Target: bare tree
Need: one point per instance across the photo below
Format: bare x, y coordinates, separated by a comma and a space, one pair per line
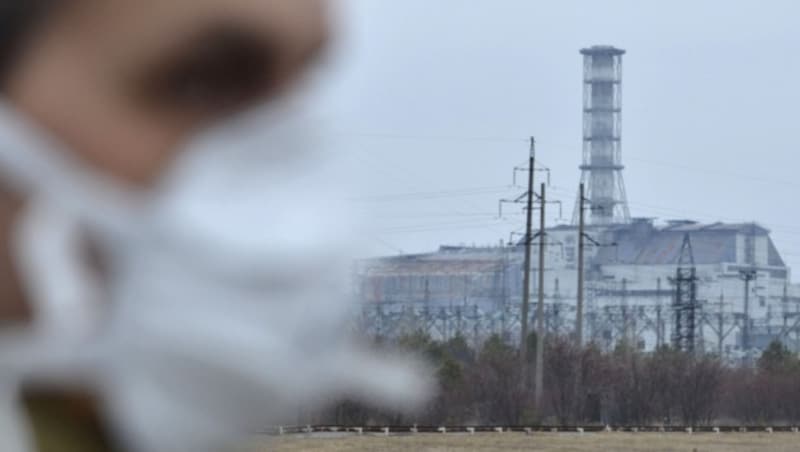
499, 396
700, 389
562, 363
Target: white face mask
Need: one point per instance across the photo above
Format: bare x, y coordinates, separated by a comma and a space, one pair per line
222, 304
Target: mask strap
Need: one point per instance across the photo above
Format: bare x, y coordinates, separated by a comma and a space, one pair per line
52, 261
35, 164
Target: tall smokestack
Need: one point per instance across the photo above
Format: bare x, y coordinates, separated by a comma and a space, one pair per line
602, 135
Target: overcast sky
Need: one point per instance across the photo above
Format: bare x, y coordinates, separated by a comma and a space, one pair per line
433, 101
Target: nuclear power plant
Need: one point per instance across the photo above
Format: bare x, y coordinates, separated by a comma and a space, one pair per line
720, 287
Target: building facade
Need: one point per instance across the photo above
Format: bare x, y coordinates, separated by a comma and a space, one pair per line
628, 295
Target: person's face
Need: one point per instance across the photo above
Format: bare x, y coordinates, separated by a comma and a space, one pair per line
123, 83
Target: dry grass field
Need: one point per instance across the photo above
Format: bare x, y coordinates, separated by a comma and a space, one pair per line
556, 442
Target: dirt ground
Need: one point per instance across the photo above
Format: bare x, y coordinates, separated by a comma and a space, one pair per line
556, 442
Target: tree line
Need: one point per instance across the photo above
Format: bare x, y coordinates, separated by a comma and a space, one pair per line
587, 385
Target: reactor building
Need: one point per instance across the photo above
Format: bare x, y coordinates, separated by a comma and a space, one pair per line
744, 298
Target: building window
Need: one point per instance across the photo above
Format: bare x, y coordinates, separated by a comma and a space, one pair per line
569, 253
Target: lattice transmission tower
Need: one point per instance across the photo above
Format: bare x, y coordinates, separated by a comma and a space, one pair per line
685, 305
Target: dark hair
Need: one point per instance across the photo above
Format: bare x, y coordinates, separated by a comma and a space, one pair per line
18, 19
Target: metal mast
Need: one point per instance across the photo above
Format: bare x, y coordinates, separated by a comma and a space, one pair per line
540, 332
581, 262
526, 276
748, 275
602, 136
685, 304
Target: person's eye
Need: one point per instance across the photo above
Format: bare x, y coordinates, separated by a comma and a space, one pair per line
223, 70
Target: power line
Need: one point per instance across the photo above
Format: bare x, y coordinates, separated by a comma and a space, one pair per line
424, 137
711, 171
447, 207
436, 229
683, 213
463, 192
707, 171
401, 216
386, 244
429, 227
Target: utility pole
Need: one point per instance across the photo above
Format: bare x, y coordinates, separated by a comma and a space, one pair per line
581, 232
796, 331
540, 333
659, 325
626, 316
747, 276
578, 391
526, 277
785, 300
720, 324
557, 326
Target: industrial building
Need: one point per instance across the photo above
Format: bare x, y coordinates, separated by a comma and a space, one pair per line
744, 297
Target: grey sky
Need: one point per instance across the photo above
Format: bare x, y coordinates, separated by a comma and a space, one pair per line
436, 96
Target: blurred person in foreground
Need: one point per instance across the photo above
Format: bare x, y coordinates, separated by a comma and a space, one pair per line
171, 261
